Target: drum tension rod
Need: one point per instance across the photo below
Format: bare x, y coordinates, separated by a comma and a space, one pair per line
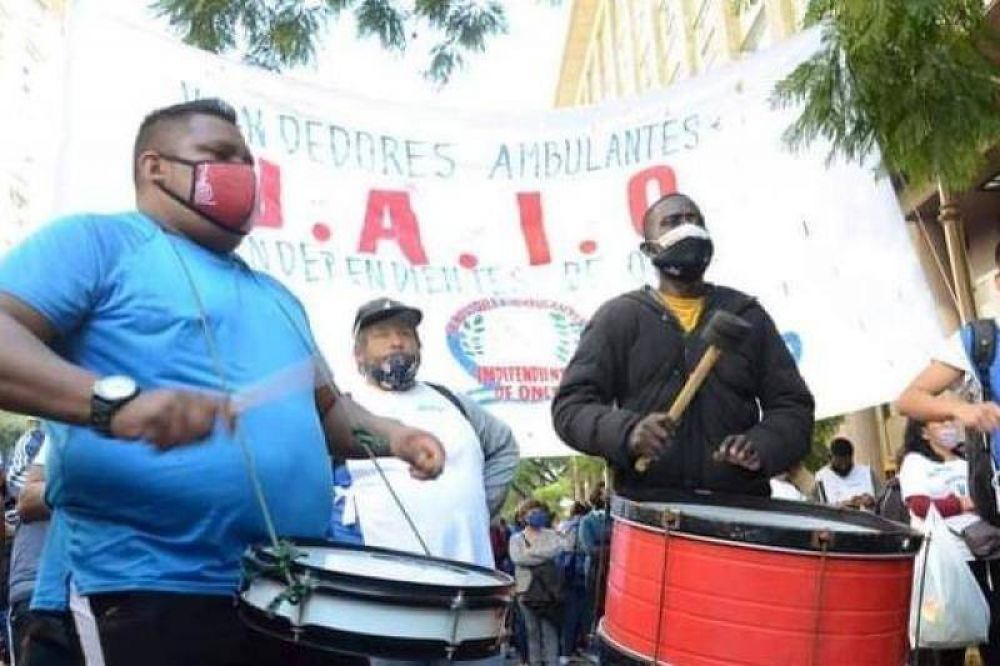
457, 604
821, 539
671, 520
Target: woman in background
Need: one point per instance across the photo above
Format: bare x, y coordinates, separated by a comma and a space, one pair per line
532, 548
932, 473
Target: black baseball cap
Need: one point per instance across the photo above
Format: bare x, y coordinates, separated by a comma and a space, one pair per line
384, 308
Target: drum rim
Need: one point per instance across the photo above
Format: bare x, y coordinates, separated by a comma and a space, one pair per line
364, 645
889, 537
614, 653
411, 592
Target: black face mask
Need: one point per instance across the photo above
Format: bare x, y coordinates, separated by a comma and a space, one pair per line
685, 258
842, 471
397, 372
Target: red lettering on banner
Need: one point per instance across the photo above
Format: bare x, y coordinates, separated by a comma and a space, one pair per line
529, 205
638, 191
389, 216
269, 195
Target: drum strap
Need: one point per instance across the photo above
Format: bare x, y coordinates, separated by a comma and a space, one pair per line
285, 553
227, 388
364, 438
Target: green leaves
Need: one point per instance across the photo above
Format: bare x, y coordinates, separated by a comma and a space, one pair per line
471, 336
276, 34
912, 77
380, 17
568, 334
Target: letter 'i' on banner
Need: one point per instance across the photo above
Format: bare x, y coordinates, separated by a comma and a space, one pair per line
269, 195
529, 205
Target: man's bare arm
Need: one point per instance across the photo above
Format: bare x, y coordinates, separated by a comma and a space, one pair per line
33, 378
925, 399
342, 417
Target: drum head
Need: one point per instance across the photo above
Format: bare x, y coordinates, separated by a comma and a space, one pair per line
390, 574
391, 565
763, 522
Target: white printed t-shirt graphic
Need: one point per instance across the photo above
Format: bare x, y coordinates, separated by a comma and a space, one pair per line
919, 475
450, 512
842, 488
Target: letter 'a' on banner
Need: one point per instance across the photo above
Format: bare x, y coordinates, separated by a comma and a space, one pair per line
508, 231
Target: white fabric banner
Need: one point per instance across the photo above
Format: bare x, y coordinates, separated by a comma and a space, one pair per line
509, 230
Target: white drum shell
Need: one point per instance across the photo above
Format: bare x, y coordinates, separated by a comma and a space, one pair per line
388, 619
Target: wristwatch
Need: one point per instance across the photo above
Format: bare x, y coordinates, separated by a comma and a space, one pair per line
110, 394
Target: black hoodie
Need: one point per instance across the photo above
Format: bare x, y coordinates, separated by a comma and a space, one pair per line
633, 359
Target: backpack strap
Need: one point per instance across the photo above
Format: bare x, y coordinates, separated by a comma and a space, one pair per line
450, 397
983, 352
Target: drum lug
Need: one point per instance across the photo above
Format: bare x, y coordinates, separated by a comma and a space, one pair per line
821, 539
671, 519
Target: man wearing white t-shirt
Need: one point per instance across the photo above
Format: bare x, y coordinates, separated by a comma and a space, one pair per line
452, 512
844, 484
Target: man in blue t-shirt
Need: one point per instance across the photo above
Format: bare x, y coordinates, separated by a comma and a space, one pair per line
136, 329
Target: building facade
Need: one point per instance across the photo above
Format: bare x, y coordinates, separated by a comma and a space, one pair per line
617, 48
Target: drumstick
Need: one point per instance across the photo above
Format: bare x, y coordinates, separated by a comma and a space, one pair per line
295, 377
723, 332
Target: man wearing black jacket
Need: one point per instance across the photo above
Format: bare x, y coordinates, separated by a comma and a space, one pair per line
752, 417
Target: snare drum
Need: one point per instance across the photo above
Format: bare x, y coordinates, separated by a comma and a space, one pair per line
708, 580
376, 602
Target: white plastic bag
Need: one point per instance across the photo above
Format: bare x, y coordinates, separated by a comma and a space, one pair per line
946, 598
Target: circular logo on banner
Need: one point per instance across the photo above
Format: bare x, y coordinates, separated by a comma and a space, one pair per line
794, 343
515, 348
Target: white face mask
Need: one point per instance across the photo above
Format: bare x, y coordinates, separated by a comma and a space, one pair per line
680, 232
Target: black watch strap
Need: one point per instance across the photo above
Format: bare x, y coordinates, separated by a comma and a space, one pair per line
102, 411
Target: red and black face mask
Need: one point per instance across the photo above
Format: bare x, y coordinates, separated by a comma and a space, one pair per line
224, 193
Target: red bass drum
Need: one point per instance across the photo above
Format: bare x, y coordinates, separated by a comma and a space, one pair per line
711, 580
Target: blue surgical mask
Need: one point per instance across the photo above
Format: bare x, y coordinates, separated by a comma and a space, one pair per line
537, 519
396, 372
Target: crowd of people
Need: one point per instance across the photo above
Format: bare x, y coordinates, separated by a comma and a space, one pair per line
558, 568
126, 335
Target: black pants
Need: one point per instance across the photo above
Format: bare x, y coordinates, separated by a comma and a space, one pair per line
44, 638
161, 629
988, 576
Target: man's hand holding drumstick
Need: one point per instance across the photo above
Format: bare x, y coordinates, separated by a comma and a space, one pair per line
653, 435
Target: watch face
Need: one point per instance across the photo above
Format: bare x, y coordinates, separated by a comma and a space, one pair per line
115, 387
